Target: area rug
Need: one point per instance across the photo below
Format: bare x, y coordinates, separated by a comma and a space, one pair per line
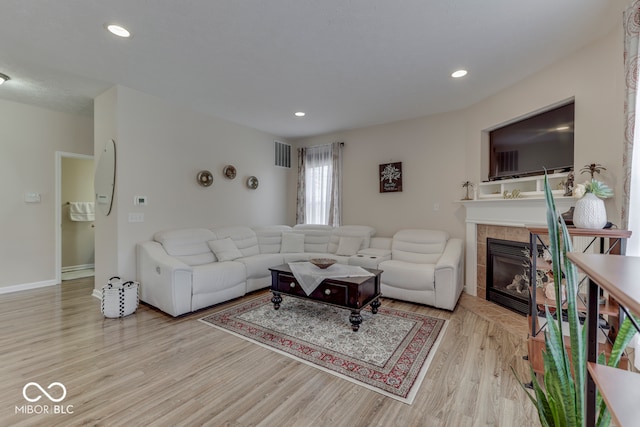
390, 354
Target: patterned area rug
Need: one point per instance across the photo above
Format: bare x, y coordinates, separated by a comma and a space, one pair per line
390, 353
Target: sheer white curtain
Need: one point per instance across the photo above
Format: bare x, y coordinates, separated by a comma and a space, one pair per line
631, 152
320, 184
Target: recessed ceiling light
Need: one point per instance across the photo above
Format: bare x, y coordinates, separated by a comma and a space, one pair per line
299, 114
4, 78
459, 73
118, 30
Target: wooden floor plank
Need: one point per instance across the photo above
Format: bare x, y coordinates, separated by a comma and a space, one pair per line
152, 369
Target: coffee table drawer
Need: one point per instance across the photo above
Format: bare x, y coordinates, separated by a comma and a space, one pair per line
332, 294
288, 285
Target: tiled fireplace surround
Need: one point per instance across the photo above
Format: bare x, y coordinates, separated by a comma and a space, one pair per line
499, 219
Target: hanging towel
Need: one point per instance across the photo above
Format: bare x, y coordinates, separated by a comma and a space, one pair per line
82, 211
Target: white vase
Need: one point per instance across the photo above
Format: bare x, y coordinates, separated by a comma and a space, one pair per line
590, 212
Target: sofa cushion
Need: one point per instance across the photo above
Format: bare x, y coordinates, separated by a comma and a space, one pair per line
408, 275
316, 236
292, 242
258, 265
189, 245
217, 276
418, 246
270, 237
349, 245
362, 231
244, 238
225, 249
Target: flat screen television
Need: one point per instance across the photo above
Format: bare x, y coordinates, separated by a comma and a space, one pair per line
529, 146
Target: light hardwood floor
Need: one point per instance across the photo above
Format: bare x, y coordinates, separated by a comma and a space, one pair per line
150, 369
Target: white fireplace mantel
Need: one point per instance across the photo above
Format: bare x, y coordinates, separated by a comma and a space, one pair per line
504, 212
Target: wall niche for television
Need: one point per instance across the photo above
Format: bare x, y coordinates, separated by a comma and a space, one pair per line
529, 146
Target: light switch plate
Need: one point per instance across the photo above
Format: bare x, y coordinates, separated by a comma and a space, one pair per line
136, 217
32, 197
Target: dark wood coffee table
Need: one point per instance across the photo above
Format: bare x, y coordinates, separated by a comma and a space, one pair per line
354, 293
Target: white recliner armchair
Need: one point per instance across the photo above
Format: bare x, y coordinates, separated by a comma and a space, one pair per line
426, 267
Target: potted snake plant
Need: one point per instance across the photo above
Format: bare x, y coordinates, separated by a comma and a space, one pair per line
560, 398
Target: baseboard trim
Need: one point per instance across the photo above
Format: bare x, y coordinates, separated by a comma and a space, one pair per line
97, 293
77, 267
27, 286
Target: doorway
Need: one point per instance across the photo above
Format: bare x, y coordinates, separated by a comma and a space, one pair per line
75, 216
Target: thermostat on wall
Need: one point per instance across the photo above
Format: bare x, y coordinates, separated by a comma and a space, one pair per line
140, 200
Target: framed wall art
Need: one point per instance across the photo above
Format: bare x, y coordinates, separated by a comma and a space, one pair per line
390, 177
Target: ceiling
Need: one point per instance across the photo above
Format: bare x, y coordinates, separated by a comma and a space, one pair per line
346, 63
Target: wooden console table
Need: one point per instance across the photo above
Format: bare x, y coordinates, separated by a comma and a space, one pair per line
616, 245
620, 389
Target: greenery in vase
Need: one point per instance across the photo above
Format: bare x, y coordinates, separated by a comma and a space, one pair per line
598, 188
560, 399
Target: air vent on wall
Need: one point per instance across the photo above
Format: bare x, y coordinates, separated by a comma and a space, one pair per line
283, 154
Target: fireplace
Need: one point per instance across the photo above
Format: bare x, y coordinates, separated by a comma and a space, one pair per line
507, 280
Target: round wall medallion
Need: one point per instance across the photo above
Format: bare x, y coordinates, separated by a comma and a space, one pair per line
229, 172
252, 182
205, 178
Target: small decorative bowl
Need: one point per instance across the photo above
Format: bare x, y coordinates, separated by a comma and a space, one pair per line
322, 262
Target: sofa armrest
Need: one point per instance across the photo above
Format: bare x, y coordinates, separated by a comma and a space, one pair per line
165, 281
370, 257
448, 275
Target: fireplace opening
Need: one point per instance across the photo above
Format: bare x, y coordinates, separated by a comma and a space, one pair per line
508, 274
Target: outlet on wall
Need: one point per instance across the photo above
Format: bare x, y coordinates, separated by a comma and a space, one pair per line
436, 206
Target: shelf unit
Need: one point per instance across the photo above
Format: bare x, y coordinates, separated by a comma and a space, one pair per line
616, 245
620, 389
529, 187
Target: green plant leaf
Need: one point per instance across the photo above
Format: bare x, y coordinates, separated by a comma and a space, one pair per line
562, 401
600, 189
540, 401
557, 377
624, 337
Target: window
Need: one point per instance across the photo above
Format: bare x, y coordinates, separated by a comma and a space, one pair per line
319, 184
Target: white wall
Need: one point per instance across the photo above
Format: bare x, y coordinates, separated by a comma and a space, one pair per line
105, 129
431, 150
29, 138
440, 152
160, 148
595, 77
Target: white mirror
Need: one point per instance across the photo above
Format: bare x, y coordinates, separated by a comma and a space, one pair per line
105, 178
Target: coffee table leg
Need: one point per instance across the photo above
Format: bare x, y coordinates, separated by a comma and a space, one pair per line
276, 300
355, 320
374, 305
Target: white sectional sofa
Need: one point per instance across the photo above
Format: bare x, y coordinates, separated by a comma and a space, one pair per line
184, 270
426, 267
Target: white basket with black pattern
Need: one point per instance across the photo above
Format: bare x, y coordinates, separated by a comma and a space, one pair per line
119, 299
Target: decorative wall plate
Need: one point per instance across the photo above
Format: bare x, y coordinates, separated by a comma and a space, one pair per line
229, 172
252, 182
205, 178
